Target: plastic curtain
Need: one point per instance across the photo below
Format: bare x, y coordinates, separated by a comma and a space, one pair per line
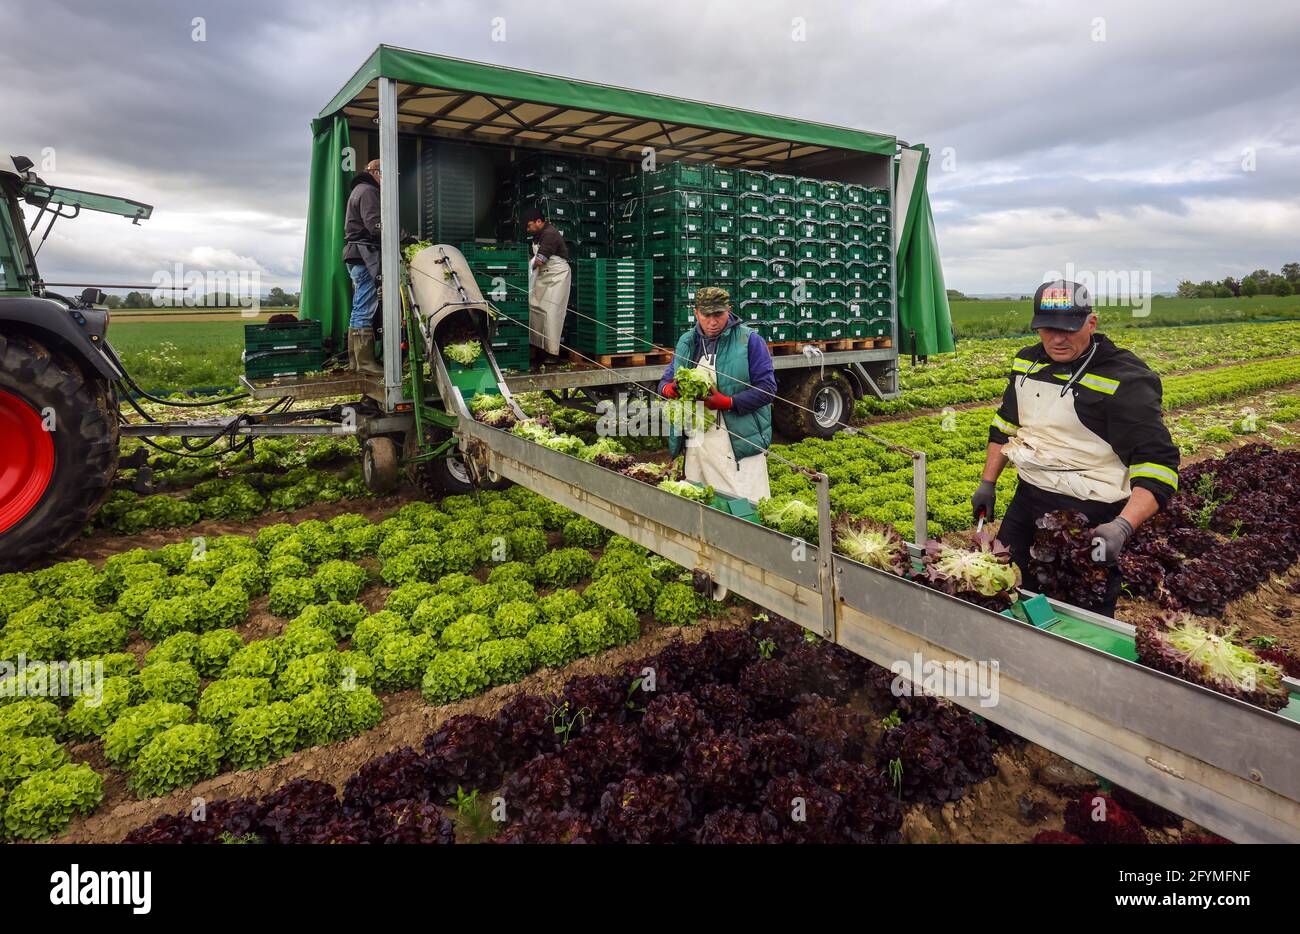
924, 319
326, 287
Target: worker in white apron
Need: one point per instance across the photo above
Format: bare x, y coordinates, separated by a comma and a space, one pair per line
548, 288
730, 456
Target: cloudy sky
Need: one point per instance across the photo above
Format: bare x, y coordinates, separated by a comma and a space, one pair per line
1157, 136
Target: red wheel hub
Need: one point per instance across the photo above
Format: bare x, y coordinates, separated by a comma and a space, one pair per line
26, 460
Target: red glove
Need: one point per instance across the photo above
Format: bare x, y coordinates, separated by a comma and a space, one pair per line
716, 400
670, 390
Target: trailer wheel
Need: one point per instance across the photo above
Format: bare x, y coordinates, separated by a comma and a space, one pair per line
59, 452
814, 405
379, 465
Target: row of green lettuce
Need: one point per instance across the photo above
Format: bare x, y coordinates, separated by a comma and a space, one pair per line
205, 701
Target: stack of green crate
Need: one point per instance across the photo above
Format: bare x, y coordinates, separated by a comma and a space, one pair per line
283, 349
614, 307
501, 271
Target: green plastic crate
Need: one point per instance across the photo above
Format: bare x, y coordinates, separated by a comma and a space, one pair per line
755, 247
857, 290
722, 202
808, 229
855, 252
752, 225
593, 169
859, 310
833, 211
808, 188
723, 267
676, 223
878, 272
673, 202
625, 187
809, 209
752, 182
832, 230
856, 214
677, 175
832, 191
593, 211
782, 311
878, 234
627, 230
720, 245
594, 249
678, 290
880, 216
806, 290
592, 189
782, 227
541, 187
880, 291
783, 331
674, 245
782, 207
858, 327
809, 311
882, 309
810, 330
855, 194
752, 267
858, 272
833, 309
291, 355
720, 224
808, 249
781, 248
753, 203
834, 329
589, 231
678, 267
722, 178
878, 197
835, 291
546, 163
857, 233
834, 251
779, 290
878, 253
781, 185
752, 310
833, 271
751, 290
808, 269
780, 269
879, 327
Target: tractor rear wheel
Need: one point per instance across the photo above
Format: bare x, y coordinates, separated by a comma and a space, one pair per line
59, 453
813, 404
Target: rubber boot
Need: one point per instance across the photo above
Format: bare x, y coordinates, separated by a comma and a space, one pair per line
361, 352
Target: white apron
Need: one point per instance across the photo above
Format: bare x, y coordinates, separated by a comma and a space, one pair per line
548, 300
1053, 450
710, 459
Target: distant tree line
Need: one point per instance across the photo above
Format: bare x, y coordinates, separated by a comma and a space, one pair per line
1259, 282
276, 298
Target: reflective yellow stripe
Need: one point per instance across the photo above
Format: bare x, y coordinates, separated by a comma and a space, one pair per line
1021, 365
1099, 383
1003, 425
1154, 472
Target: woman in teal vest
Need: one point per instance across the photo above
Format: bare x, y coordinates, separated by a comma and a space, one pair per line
731, 455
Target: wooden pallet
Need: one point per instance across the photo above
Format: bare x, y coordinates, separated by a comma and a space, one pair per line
614, 360
787, 348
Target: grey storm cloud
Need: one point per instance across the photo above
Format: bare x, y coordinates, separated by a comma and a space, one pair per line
1118, 121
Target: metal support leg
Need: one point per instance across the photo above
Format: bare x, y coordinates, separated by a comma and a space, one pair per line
921, 525
825, 549
390, 242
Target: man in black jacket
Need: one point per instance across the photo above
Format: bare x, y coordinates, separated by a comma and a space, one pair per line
362, 255
1081, 420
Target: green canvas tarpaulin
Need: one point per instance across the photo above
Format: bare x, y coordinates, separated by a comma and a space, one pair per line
325, 283
924, 319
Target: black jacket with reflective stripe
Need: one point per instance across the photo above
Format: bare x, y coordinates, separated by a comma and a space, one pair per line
1117, 397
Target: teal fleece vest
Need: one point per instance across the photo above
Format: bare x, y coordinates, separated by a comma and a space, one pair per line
751, 433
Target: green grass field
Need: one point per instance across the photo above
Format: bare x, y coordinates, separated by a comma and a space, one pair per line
998, 318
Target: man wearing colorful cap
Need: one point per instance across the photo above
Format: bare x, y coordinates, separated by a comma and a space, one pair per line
1081, 421
731, 455
548, 290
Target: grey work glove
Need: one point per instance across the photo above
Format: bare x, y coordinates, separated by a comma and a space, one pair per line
984, 500
1109, 539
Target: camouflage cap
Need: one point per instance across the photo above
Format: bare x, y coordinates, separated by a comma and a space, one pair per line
712, 297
